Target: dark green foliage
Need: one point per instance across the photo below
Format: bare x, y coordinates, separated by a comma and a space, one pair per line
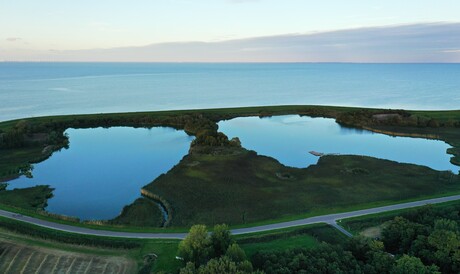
221, 265
32, 198
423, 240
321, 232
142, 212
212, 253
400, 233
221, 239
235, 253
196, 247
431, 234
323, 259
408, 265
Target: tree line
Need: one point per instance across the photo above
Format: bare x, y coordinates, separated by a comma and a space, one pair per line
425, 240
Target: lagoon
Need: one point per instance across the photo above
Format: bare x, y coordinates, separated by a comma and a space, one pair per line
290, 138
104, 169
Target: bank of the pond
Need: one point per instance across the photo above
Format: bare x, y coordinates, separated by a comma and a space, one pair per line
103, 170
291, 138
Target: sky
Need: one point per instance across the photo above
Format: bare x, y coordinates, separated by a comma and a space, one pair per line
28, 27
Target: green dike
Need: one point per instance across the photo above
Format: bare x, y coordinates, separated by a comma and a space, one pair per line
262, 176
102, 226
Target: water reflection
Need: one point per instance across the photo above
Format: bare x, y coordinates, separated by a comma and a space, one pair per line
104, 169
290, 138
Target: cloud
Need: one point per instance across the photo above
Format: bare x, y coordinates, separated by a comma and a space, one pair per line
13, 39
429, 42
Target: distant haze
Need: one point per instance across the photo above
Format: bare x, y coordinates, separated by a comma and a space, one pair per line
414, 43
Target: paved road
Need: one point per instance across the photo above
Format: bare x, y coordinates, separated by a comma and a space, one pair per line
341, 229
329, 219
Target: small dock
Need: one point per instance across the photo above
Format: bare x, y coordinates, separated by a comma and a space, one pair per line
315, 153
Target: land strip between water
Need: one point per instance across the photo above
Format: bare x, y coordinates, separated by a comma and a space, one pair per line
328, 219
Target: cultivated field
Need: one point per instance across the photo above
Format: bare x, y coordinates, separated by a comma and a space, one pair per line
20, 258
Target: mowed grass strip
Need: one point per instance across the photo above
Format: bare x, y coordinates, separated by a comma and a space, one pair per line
244, 188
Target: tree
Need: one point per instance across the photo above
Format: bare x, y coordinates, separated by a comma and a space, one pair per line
235, 253
446, 224
224, 265
412, 265
399, 234
446, 246
195, 247
221, 239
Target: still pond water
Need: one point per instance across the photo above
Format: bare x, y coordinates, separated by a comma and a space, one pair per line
290, 138
104, 169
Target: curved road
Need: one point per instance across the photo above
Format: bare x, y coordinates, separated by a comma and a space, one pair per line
328, 219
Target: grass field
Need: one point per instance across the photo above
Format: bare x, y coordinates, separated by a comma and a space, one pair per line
243, 187
279, 240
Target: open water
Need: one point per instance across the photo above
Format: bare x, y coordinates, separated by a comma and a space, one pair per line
38, 89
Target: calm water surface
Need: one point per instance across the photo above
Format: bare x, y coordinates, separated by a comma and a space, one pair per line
38, 89
290, 138
104, 169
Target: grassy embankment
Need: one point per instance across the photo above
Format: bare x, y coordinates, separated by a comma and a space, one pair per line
219, 182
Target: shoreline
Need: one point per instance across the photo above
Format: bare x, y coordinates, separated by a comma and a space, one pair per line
291, 107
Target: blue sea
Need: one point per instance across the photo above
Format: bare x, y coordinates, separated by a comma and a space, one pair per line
38, 89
